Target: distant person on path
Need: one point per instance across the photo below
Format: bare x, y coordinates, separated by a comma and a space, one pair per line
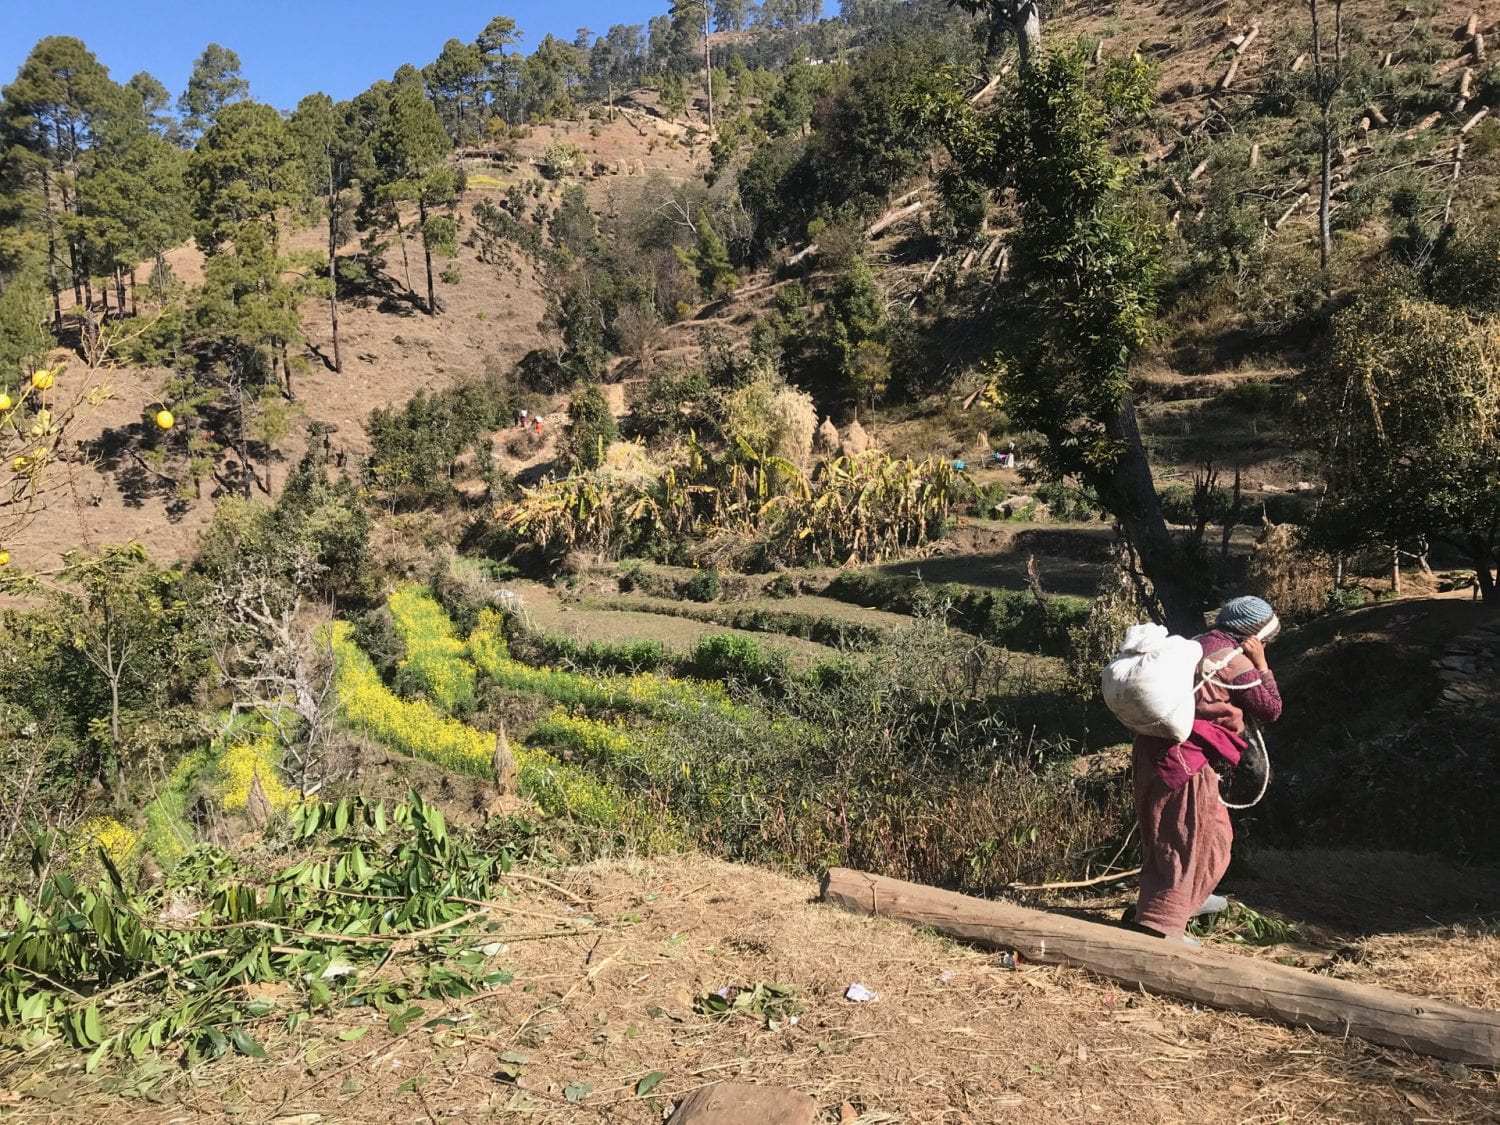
521, 419
1186, 835
537, 425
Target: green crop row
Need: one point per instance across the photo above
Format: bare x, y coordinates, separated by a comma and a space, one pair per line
434, 661
421, 730
643, 694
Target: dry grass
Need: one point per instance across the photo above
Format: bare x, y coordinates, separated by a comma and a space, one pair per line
604, 995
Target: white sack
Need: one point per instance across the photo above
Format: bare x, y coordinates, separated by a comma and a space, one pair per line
1149, 684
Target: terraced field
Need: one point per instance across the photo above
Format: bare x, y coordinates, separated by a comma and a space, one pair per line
645, 619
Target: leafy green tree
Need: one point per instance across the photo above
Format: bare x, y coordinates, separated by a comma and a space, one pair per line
1083, 278
591, 426
1017, 19
214, 83
415, 448
852, 332
133, 633
577, 315
24, 314
410, 151
313, 540
1405, 409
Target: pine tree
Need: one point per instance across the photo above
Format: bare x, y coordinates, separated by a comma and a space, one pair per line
499, 68
715, 271
154, 104
246, 169
61, 96
729, 15
455, 80
409, 154
133, 204
214, 83
245, 173
327, 156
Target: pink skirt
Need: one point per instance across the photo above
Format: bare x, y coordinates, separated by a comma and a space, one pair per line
1185, 843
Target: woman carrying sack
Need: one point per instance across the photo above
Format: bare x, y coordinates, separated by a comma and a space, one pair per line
1186, 835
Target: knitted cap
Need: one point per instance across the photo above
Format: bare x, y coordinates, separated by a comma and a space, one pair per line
1244, 616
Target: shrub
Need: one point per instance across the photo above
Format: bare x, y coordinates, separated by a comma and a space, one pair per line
632, 656
1068, 501
591, 426
703, 586
1013, 619
735, 659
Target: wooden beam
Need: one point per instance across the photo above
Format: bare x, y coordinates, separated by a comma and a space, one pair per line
1220, 980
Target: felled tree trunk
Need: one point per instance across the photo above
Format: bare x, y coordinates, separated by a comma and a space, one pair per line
1221, 980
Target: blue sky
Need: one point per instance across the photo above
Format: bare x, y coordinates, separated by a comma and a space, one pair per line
288, 48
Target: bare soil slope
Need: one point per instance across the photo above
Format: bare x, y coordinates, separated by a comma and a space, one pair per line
607, 981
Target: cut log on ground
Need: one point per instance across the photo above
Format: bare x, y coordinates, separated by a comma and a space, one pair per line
891, 218
1220, 980
1290, 211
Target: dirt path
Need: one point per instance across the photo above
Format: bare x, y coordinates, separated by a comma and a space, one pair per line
956, 1037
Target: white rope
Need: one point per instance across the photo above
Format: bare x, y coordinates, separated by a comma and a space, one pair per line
1254, 742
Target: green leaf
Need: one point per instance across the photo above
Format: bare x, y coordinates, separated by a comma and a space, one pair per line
398, 1021
577, 1091
649, 1083
352, 1034
246, 1044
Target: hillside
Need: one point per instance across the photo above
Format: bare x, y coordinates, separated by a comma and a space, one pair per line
708, 502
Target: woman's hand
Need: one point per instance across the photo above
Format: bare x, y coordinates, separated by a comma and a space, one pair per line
1255, 651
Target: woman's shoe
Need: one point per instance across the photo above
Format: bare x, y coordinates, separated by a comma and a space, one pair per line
1213, 904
